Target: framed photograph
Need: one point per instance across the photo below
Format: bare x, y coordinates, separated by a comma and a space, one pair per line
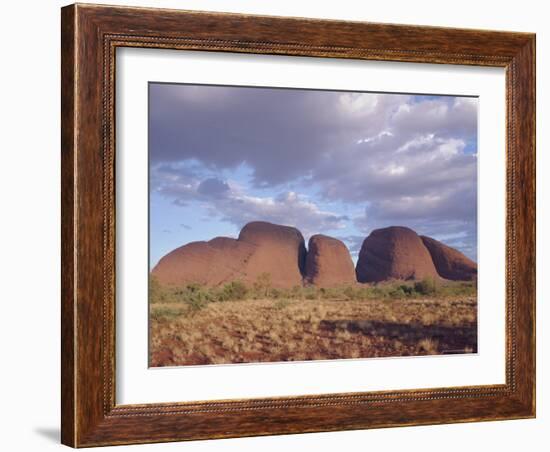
281, 225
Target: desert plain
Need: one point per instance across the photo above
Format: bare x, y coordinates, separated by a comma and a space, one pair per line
264, 297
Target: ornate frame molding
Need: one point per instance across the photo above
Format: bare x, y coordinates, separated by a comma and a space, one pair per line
90, 37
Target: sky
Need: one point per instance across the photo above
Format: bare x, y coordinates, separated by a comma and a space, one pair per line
331, 162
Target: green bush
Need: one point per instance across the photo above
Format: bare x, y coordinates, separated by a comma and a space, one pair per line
196, 296
195, 305
165, 312
407, 290
310, 293
262, 285
397, 293
275, 293
155, 290
297, 293
458, 288
378, 292
350, 293
235, 290
427, 286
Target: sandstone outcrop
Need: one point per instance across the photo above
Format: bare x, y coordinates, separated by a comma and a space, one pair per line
394, 253
264, 248
449, 262
279, 251
328, 262
215, 262
261, 248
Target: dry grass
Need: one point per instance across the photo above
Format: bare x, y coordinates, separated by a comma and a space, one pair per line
268, 330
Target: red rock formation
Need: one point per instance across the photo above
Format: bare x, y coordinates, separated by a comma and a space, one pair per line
211, 263
261, 248
279, 251
389, 253
449, 262
328, 262
394, 253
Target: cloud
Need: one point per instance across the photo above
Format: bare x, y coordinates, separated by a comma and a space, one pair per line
279, 133
213, 187
286, 208
444, 117
399, 159
448, 216
383, 169
230, 203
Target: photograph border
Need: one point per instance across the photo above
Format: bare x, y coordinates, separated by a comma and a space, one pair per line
90, 35
287, 88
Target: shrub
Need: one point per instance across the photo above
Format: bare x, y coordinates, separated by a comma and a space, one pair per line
310, 293
159, 293
196, 297
407, 290
262, 285
193, 291
155, 290
350, 293
296, 293
377, 292
427, 286
458, 288
159, 313
195, 305
397, 292
356, 293
235, 290
275, 293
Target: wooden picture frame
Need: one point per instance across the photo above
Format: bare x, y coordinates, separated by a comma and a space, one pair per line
90, 36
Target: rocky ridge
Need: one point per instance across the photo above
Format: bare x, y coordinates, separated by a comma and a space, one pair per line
262, 248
